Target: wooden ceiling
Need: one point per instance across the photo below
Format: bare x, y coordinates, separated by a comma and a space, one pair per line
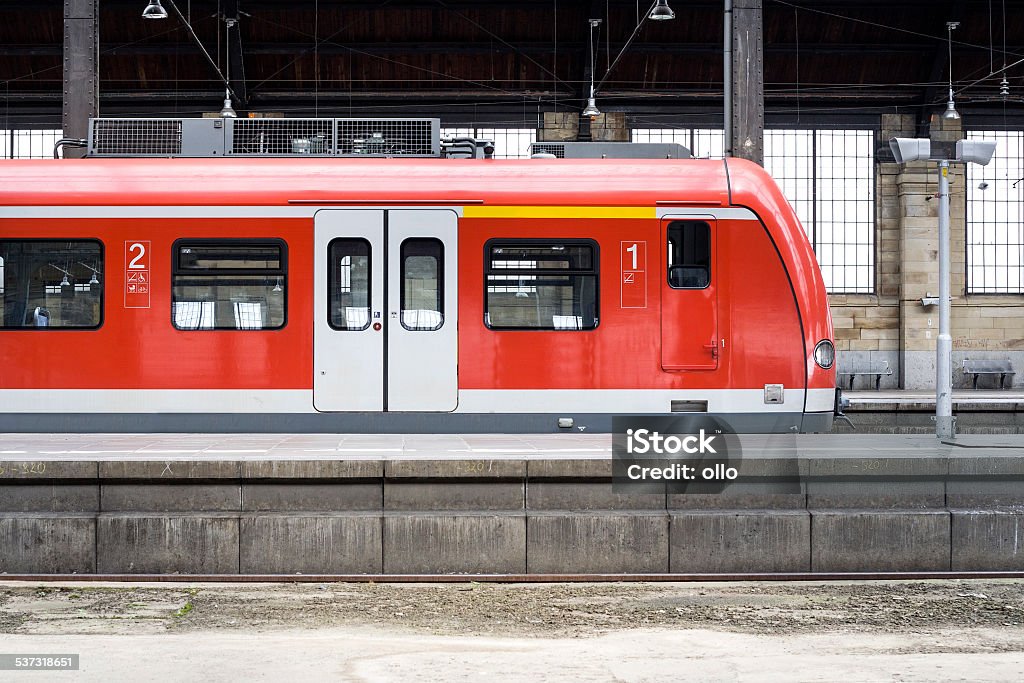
503, 62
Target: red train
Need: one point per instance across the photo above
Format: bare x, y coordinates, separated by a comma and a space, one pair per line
419, 295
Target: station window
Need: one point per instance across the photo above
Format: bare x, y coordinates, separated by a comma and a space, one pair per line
689, 254
229, 284
348, 284
422, 299
534, 285
53, 284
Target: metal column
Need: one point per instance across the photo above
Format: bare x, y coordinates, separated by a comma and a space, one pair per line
944, 425
81, 69
744, 87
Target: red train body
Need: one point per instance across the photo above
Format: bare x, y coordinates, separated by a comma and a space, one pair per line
405, 295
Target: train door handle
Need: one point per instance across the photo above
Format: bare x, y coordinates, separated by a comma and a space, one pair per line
713, 348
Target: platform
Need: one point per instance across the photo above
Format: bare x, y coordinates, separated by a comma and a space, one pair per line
387, 505
920, 400
396, 447
911, 412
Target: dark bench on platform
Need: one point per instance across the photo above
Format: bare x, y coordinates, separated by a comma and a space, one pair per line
1003, 368
873, 369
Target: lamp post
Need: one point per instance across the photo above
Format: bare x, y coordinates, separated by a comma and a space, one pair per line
906, 150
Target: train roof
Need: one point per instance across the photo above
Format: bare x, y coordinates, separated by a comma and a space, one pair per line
280, 181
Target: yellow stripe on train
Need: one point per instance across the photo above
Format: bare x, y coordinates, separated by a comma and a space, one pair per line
559, 212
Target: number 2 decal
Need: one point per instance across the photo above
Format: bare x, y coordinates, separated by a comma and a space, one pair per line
135, 265
137, 277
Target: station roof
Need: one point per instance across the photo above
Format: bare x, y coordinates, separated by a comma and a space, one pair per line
474, 61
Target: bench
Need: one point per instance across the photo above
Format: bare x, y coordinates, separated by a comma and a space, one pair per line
1003, 368
874, 369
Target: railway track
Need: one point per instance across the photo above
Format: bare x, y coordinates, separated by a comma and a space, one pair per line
509, 578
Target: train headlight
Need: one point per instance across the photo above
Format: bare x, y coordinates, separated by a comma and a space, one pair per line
824, 354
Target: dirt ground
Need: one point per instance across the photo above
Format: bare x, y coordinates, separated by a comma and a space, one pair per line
892, 631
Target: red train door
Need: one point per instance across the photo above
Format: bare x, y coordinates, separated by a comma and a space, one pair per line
689, 301
385, 329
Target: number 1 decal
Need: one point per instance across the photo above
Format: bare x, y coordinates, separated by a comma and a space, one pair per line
633, 282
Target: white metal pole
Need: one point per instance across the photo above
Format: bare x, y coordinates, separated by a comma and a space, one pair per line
944, 347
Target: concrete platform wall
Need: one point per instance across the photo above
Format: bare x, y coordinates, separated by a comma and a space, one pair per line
499, 516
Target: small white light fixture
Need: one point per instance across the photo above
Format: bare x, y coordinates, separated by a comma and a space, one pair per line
94, 280
154, 10
228, 112
591, 109
661, 11
951, 113
65, 282
277, 287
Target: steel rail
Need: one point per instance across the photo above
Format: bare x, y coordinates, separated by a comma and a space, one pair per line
513, 578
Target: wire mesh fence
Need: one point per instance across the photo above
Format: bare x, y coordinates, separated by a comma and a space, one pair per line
28, 143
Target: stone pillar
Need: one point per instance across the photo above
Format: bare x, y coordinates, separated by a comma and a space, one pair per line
565, 127
610, 127
919, 254
559, 126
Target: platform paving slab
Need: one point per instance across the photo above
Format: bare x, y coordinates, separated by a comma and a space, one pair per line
741, 541
135, 543
335, 467
987, 540
597, 543
461, 467
570, 466
49, 497
453, 494
911, 481
879, 540
15, 470
171, 496
587, 495
311, 496
311, 544
981, 477
47, 543
130, 468
454, 543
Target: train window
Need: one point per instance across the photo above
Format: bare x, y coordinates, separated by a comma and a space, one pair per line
348, 284
422, 296
229, 284
52, 284
541, 285
689, 254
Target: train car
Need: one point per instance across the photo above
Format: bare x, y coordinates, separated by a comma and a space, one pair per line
405, 295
